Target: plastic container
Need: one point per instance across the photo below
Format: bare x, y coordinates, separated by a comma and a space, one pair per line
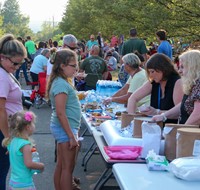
35, 158
137, 133
107, 88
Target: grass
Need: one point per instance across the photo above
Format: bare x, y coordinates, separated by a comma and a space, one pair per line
115, 75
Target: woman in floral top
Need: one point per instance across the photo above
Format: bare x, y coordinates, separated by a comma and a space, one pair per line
188, 110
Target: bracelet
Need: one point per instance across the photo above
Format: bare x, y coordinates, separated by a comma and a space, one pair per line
164, 117
157, 111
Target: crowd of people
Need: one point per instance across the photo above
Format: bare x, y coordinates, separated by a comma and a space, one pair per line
170, 95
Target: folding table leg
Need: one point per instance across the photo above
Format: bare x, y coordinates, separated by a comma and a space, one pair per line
105, 180
85, 130
89, 149
103, 175
90, 155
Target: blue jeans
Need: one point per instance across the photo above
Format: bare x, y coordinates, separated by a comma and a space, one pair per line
24, 69
4, 164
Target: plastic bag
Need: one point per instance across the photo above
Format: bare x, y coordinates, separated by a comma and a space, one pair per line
151, 138
156, 162
187, 168
123, 152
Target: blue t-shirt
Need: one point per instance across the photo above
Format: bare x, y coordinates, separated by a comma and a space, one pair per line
90, 43
38, 64
20, 174
165, 48
72, 107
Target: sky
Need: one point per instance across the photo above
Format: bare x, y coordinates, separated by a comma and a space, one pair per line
41, 10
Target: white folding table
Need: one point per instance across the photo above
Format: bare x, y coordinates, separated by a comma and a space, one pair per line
132, 176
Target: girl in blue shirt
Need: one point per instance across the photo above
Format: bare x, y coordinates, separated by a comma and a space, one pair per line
22, 126
66, 115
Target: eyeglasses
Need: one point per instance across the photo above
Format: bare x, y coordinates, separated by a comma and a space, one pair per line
74, 66
14, 63
126, 63
72, 48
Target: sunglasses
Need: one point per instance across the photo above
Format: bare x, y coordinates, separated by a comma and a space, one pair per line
14, 63
72, 48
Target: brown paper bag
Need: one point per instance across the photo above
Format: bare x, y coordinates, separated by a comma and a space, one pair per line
169, 133
127, 118
137, 130
185, 142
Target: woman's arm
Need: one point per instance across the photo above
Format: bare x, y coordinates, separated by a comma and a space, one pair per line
122, 91
194, 118
45, 68
122, 99
60, 103
3, 118
137, 96
178, 92
121, 96
173, 113
177, 98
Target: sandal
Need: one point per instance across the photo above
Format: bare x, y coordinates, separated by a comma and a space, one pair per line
75, 186
76, 180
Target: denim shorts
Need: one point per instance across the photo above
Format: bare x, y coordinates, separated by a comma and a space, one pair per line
59, 133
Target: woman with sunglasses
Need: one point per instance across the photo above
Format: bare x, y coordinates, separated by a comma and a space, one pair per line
12, 54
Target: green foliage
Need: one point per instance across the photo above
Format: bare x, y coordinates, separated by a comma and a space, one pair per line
1, 29
48, 30
13, 21
180, 18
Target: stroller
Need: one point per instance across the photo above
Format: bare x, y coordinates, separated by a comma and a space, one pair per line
37, 97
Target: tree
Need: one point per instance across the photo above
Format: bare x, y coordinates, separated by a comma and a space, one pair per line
1, 23
13, 21
180, 18
48, 30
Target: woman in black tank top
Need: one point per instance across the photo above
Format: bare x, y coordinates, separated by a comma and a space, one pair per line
164, 86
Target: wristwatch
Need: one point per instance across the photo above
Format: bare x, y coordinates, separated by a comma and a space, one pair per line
164, 117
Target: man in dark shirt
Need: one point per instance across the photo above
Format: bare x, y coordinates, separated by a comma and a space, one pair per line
95, 67
134, 44
130, 46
